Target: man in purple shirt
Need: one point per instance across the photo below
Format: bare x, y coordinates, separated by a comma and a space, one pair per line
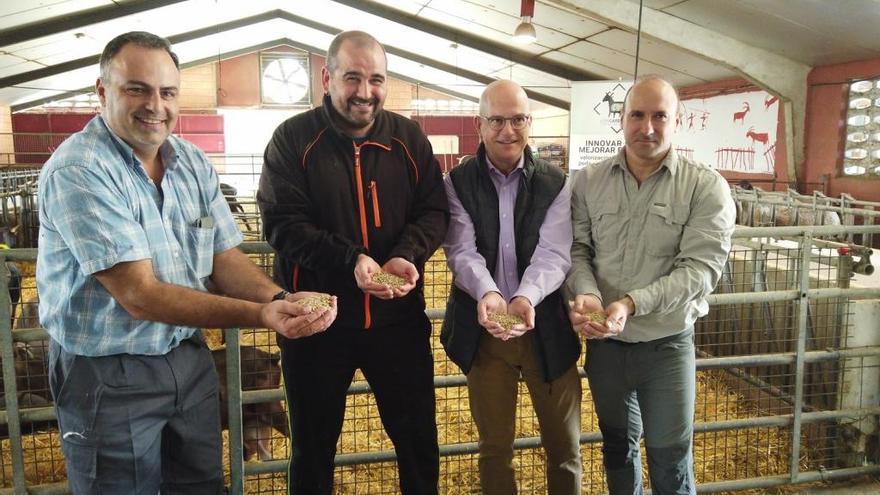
508, 246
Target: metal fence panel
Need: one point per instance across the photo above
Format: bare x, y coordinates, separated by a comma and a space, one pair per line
779, 335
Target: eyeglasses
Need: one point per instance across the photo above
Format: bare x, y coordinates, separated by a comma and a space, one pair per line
517, 122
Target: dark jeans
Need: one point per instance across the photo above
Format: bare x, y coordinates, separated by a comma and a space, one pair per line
397, 363
645, 387
139, 424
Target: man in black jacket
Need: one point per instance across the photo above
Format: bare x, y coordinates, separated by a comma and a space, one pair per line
349, 190
508, 246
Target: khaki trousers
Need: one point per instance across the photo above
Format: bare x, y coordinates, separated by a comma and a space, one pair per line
493, 386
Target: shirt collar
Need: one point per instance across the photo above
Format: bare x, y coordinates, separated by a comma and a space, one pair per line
167, 150
670, 161
517, 169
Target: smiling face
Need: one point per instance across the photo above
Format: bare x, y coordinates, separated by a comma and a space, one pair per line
504, 146
139, 98
356, 84
649, 122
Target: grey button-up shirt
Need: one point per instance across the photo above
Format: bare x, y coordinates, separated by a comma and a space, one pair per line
664, 244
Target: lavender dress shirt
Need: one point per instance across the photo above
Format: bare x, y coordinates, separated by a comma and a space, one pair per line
550, 261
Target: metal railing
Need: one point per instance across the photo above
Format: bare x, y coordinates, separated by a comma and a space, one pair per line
797, 380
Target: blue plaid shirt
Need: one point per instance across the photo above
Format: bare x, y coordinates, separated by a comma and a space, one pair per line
98, 207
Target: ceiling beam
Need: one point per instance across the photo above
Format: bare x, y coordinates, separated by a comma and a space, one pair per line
452, 69
266, 16
464, 38
186, 65
235, 53
177, 38
78, 19
779, 75
473, 76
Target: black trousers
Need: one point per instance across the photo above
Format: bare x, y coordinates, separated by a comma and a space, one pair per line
397, 363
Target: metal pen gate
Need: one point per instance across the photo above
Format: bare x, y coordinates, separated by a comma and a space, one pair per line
786, 370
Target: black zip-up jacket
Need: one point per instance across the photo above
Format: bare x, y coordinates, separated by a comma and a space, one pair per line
325, 199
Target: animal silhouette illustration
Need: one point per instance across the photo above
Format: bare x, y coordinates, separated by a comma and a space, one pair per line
761, 137
614, 107
769, 101
740, 116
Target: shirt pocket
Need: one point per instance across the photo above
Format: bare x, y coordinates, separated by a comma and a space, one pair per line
606, 224
664, 227
200, 250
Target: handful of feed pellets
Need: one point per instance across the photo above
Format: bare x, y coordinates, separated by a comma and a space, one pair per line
593, 316
315, 303
596, 317
505, 320
389, 279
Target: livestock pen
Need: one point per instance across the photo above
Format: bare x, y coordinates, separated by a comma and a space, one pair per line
788, 381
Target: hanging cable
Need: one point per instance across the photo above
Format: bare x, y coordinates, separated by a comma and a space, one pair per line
638, 40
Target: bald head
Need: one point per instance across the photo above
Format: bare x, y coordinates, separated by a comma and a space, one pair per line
652, 83
504, 123
502, 90
649, 122
358, 40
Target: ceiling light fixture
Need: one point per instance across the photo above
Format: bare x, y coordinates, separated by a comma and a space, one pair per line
525, 32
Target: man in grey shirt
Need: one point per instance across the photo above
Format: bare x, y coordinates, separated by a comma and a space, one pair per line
652, 232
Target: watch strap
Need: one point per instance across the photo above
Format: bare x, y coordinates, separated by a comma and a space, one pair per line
281, 295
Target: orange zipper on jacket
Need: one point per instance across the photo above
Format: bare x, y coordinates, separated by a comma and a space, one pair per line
362, 211
374, 194
359, 182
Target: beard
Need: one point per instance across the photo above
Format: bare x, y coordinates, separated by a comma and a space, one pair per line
353, 115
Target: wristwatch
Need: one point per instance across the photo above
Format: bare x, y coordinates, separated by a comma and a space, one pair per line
281, 295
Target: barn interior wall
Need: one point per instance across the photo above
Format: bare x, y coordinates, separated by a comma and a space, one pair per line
238, 81
7, 149
198, 88
826, 110
235, 83
824, 128
779, 180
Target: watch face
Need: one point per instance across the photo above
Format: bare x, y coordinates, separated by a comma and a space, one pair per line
285, 81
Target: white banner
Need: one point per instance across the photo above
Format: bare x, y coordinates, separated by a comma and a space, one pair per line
595, 132
727, 132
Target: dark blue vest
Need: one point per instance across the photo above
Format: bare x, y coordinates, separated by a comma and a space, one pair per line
558, 346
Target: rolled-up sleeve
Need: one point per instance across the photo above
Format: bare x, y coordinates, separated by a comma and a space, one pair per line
94, 220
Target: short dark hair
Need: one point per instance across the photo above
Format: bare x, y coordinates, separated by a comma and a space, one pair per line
361, 39
139, 38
